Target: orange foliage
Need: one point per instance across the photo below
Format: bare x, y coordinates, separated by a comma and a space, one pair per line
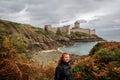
111, 45
16, 66
9, 70
78, 76
7, 48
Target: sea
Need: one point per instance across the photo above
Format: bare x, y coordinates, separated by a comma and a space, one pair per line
83, 48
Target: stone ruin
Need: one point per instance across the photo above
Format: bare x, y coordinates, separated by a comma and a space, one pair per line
66, 29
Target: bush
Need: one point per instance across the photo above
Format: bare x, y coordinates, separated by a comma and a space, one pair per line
82, 72
103, 63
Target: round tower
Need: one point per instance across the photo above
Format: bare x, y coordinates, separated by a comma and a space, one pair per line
77, 24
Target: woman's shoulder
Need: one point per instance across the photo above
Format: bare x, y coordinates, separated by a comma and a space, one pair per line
59, 67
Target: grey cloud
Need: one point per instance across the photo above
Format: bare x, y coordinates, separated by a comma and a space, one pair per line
41, 12
82, 21
108, 22
11, 6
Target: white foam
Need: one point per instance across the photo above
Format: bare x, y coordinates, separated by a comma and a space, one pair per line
48, 50
60, 50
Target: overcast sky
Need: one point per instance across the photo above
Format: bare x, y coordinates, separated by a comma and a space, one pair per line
101, 15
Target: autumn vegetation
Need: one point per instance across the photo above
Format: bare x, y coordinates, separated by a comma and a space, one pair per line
16, 63
102, 63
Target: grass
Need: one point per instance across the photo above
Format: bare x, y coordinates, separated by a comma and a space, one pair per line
42, 32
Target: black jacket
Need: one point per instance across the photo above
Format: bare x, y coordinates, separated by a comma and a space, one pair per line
63, 72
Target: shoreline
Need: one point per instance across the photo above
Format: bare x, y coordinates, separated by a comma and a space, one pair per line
81, 49
52, 55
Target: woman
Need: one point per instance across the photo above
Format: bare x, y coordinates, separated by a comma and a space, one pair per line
63, 70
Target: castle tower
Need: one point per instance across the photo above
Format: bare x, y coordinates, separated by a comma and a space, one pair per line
76, 24
48, 28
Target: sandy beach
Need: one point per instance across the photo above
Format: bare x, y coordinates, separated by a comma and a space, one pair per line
44, 57
47, 56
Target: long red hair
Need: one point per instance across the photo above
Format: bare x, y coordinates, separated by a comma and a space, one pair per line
62, 57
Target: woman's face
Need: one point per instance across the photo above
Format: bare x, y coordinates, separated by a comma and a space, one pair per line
66, 58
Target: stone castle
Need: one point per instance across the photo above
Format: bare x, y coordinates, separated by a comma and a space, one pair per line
66, 29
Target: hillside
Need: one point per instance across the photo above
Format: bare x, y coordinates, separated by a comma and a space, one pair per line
34, 37
38, 39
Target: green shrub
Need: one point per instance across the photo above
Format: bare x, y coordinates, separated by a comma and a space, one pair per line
83, 71
80, 67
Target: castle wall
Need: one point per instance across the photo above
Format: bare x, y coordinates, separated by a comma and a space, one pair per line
81, 30
92, 32
65, 29
54, 30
